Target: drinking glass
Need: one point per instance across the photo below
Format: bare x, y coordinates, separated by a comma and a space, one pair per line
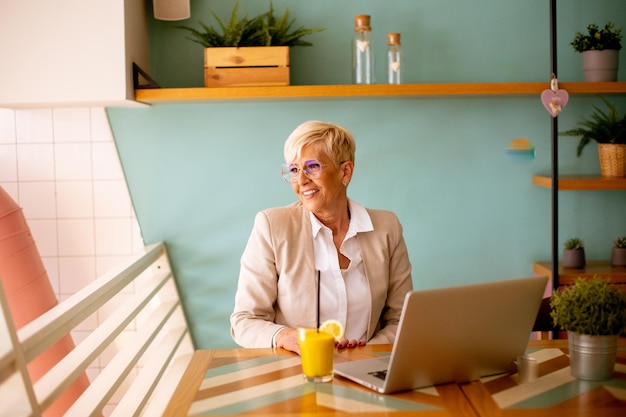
317, 350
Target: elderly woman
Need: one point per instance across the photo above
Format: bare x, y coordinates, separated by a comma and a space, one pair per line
358, 254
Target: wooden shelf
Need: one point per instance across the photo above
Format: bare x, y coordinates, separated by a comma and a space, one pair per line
581, 182
202, 94
568, 275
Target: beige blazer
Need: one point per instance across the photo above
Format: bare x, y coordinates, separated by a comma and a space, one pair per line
277, 280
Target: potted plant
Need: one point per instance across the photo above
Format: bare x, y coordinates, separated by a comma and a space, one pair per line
248, 51
608, 129
593, 311
600, 50
573, 254
618, 253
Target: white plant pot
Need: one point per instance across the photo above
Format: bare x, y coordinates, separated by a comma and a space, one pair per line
600, 66
592, 358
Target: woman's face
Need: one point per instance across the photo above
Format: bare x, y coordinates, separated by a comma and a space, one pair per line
325, 193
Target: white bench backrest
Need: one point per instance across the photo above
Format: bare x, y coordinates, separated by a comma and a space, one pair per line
150, 307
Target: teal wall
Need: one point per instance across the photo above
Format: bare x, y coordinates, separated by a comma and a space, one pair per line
198, 173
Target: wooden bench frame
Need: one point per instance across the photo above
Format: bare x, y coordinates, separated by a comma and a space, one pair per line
151, 306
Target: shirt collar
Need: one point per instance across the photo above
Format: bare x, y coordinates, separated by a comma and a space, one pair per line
360, 220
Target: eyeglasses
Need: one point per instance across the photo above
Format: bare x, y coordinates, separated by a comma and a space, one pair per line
312, 168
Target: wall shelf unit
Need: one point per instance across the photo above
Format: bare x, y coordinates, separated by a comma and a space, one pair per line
307, 92
567, 276
603, 268
581, 182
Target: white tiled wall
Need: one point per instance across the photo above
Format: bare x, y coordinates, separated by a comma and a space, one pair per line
61, 166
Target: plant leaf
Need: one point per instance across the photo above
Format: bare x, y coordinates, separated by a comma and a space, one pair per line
262, 30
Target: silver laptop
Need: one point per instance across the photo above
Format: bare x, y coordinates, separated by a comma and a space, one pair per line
454, 334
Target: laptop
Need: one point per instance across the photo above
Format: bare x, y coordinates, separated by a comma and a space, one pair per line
454, 334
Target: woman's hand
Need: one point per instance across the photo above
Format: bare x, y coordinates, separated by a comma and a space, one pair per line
287, 339
345, 343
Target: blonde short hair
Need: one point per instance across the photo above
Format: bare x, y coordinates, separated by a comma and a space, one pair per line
338, 141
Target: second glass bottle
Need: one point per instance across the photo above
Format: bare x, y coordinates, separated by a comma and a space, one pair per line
394, 59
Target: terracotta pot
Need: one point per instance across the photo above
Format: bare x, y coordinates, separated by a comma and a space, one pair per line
600, 66
29, 294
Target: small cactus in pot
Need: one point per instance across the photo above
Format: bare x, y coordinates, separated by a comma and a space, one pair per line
618, 253
574, 254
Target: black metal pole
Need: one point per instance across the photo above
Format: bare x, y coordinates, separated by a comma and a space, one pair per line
555, 157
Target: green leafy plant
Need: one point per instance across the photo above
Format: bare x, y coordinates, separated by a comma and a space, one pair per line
590, 306
620, 242
574, 243
601, 126
597, 39
262, 30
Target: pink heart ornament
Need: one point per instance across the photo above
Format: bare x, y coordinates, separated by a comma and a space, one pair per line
554, 101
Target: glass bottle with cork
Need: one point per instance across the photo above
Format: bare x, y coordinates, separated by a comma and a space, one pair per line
395, 59
362, 50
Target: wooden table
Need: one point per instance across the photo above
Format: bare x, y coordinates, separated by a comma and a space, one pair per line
269, 382
555, 392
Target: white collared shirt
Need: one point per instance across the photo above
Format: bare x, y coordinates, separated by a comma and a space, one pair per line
344, 293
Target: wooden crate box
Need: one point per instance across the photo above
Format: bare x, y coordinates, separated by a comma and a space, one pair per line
247, 66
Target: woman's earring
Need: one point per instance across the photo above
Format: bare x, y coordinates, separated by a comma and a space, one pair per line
345, 184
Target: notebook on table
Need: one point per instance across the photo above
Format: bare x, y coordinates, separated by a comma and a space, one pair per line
454, 334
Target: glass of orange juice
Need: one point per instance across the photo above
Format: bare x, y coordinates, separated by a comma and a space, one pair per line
317, 350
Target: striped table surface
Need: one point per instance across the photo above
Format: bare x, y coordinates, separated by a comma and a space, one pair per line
554, 392
269, 382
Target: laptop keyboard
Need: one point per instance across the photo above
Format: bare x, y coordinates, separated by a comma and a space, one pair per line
379, 374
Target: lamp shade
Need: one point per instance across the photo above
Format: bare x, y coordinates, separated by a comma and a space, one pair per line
171, 9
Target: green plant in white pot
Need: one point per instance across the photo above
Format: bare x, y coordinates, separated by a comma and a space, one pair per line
600, 50
618, 252
593, 311
573, 253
